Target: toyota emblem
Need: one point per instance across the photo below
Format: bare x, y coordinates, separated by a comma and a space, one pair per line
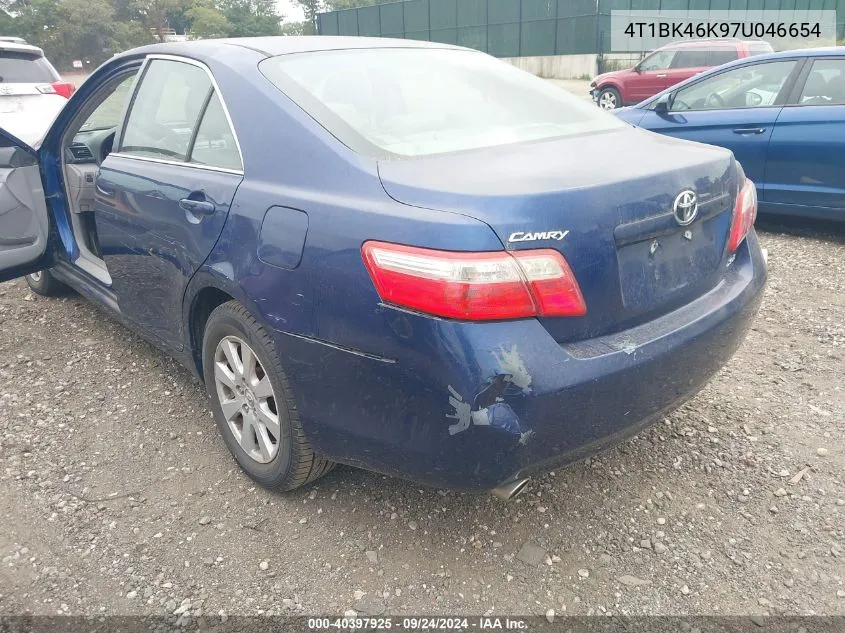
685, 207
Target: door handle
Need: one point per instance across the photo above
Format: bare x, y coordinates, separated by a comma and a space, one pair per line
662, 76
749, 130
197, 207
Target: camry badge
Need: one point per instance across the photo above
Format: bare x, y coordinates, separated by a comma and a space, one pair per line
685, 207
522, 236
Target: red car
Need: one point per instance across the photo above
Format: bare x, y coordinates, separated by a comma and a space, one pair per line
667, 66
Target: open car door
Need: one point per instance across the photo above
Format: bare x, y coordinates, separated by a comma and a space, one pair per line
24, 217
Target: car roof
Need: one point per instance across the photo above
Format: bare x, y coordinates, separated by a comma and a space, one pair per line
828, 51
724, 41
284, 45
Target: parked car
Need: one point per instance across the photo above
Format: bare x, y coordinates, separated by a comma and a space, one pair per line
668, 66
31, 91
783, 117
400, 255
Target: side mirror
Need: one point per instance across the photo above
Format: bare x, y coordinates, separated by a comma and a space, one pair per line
753, 99
14, 157
637, 69
663, 104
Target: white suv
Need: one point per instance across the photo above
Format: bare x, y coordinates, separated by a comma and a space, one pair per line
31, 91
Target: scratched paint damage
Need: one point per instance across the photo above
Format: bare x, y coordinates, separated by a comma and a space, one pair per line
489, 408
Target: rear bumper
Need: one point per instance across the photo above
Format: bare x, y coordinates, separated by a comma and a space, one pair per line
470, 406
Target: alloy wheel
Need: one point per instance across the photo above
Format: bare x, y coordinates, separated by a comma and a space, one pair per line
247, 399
36, 277
607, 101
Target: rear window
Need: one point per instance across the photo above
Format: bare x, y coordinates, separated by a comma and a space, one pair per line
760, 48
418, 102
29, 68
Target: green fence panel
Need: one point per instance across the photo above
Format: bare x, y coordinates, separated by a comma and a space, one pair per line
392, 19
368, 21
702, 5
443, 14
538, 38
472, 13
328, 23
503, 40
473, 37
725, 5
674, 5
577, 36
417, 35
538, 10
416, 16
347, 22
574, 8
648, 5
446, 36
606, 6
503, 11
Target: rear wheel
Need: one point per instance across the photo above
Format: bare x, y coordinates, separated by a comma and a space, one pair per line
252, 404
45, 284
609, 99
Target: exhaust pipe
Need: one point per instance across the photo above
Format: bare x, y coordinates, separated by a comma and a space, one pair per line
510, 489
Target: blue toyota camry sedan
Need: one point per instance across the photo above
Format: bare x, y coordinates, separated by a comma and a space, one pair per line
403, 256
783, 117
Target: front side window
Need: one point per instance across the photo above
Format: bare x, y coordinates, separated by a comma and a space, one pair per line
661, 60
755, 86
825, 84
166, 110
417, 102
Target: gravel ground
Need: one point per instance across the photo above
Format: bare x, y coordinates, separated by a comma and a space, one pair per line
119, 497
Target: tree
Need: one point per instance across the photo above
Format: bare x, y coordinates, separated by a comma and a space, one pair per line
207, 22
293, 28
311, 8
250, 18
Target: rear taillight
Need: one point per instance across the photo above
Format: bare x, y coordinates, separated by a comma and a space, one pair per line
474, 286
62, 88
745, 212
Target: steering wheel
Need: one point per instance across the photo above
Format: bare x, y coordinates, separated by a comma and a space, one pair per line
715, 99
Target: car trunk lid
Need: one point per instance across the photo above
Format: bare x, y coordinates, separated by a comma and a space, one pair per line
605, 201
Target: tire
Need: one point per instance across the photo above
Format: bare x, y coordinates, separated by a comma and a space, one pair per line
230, 334
609, 99
44, 284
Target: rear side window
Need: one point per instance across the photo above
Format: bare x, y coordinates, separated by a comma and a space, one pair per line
166, 110
215, 144
719, 56
20, 67
825, 84
689, 58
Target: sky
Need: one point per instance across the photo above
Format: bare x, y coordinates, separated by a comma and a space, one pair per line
291, 10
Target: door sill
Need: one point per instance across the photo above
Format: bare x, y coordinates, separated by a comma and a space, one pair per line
95, 267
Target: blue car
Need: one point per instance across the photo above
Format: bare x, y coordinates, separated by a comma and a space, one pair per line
407, 257
783, 117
